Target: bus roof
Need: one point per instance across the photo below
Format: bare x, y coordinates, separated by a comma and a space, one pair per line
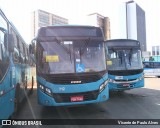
122, 43
69, 31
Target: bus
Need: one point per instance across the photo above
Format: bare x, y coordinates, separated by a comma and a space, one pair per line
156, 58
16, 79
125, 69
70, 64
151, 68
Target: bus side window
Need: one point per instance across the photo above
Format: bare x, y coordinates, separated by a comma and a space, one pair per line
24, 53
0, 50
1, 54
16, 52
152, 65
4, 60
27, 55
21, 57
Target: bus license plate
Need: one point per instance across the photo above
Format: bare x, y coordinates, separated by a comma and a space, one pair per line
76, 98
126, 85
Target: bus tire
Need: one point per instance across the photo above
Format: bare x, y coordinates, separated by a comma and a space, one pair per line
158, 76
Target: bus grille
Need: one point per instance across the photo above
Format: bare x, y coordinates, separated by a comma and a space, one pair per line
69, 78
66, 97
119, 80
121, 86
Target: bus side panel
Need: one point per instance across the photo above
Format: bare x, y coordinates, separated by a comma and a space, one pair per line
7, 98
7, 104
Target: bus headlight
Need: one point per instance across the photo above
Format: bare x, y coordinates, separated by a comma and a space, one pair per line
48, 91
41, 87
106, 82
110, 80
102, 87
140, 78
45, 90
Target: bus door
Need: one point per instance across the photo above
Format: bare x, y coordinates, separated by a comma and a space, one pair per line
22, 71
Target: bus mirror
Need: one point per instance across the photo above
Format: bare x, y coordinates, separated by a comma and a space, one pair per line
30, 49
10, 43
31, 52
32, 46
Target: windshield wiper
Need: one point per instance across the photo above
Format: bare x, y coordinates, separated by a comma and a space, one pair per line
83, 49
120, 56
68, 51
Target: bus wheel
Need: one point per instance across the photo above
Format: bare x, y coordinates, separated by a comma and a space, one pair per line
158, 76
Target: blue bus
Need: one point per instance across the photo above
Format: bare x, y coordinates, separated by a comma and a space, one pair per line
16, 79
151, 68
125, 69
70, 64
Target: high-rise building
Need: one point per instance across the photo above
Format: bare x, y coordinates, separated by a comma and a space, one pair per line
42, 18
156, 50
98, 20
133, 23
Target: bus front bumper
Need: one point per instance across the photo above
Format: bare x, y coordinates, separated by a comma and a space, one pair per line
126, 86
46, 100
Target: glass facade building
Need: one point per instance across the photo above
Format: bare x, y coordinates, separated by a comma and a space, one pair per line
98, 20
42, 18
155, 50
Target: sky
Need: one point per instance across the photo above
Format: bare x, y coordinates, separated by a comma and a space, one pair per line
19, 12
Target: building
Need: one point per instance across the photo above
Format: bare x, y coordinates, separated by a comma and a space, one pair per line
98, 20
155, 50
42, 18
152, 56
156, 53
133, 23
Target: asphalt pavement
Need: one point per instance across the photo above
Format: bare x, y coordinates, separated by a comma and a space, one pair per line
136, 104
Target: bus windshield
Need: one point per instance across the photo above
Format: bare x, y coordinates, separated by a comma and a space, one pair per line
76, 56
124, 59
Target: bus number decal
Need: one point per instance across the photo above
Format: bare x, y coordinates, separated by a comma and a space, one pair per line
61, 88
